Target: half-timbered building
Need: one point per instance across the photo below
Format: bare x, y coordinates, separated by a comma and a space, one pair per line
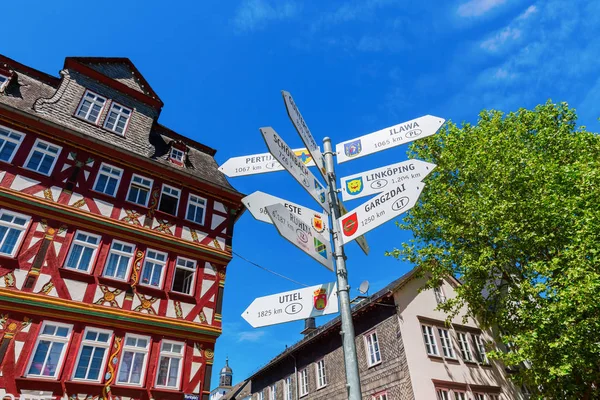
115, 234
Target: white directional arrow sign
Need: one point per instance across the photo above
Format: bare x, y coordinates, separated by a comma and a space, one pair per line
282, 152
377, 180
303, 131
260, 163
380, 209
301, 234
257, 202
313, 301
387, 138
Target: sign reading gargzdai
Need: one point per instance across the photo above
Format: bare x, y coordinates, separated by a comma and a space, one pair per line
282, 152
387, 138
257, 203
313, 301
377, 180
303, 131
380, 209
301, 234
260, 163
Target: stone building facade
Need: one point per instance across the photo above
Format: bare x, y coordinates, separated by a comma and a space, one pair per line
115, 235
398, 358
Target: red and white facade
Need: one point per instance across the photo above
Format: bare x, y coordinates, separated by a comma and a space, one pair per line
113, 251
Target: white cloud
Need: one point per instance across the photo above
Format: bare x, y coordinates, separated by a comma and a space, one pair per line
255, 14
250, 336
500, 38
476, 8
527, 13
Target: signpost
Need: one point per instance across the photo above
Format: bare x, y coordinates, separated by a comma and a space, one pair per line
282, 152
387, 138
313, 301
260, 163
301, 234
257, 202
303, 131
396, 200
377, 180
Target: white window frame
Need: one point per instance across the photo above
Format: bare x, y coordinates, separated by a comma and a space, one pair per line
134, 349
428, 333
122, 253
75, 241
439, 294
303, 382
110, 175
94, 344
446, 342
52, 338
288, 393
479, 396
155, 261
480, 347
371, 339
195, 270
198, 202
120, 113
321, 373
460, 395
169, 194
171, 355
140, 185
177, 152
465, 347
46, 153
93, 101
272, 392
8, 138
5, 83
442, 394
261, 395
380, 396
11, 225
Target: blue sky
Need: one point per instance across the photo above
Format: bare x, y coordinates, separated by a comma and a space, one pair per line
353, 67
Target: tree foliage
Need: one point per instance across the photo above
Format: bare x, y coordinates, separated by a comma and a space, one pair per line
513, 211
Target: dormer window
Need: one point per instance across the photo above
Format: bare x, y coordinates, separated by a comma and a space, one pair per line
3, 82
91, 107
118, 118
176, 156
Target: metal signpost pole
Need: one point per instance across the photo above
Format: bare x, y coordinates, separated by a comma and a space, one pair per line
350, 358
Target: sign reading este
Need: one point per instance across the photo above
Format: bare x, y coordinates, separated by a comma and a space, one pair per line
304, 132
398, 199
282, 152
301, 234
377, 180
313, 301
260, 163
387, 138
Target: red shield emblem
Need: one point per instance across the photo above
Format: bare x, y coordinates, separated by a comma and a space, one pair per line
320, 299
350, 224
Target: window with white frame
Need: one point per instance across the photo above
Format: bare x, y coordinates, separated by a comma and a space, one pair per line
465, 348
49, 350
139, 190
83, 251
373, 352
183, 277
92, 354
303, 382
118, 118
154, 267
381, 396
91, 107
3, 81
272, 392
260, 395
480, 349
479, 396
446, 341
196, 209
108, 179
43, 157
287, 389
12, 230
440, 297
176, 155
321, 374
460, 395
169, 200
9, 143
169, 365
493, 397
429, 339
443, 394
133, 360
118, 260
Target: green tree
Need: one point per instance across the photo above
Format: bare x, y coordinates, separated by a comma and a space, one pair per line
513, 210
